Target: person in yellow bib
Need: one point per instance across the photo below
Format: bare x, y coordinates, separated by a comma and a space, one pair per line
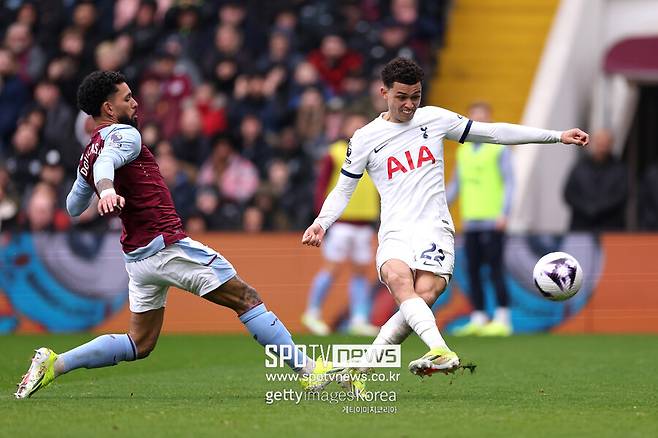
350, 239
484, 182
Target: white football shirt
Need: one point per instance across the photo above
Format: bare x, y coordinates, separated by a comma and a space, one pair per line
405, 162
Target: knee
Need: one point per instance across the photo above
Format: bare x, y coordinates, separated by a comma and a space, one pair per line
428, 294
398, 282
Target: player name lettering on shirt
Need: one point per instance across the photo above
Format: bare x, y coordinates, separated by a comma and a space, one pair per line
84, 165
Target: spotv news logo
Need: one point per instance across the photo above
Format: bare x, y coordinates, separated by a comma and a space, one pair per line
340, 355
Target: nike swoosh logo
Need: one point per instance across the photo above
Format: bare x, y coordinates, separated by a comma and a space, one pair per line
381, 146
274, 322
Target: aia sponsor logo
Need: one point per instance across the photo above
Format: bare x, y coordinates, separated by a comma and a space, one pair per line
410, 161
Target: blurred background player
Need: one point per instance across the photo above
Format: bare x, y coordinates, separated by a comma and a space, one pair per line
484, 181
350, 239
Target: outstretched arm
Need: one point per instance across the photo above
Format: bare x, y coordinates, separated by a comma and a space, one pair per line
507, 133
331, 209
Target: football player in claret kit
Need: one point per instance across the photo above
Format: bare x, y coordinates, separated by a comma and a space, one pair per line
124, 174
402, 151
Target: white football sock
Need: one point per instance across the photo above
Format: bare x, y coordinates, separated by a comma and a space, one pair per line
502, 316
479, 317
421, 319
394, 331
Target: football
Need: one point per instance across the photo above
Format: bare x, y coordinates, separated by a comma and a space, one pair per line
558, 276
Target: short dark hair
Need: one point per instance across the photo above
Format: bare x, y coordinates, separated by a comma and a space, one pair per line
97, 88
402, 70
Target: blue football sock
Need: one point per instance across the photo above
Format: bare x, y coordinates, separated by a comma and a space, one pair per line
103, 351
359, 299
267, 329
321, 284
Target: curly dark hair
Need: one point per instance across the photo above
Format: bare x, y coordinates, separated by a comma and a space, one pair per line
402, 70
97, 88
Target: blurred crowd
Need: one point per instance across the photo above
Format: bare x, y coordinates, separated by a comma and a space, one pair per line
238, 99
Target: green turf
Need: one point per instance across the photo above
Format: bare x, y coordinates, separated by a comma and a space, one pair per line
528, 386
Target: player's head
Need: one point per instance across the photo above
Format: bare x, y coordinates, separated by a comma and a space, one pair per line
105, 95
402, 88
479, 112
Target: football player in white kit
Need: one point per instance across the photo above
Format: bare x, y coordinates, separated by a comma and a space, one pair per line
402, 150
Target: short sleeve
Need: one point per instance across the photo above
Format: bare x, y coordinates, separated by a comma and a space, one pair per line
356, 158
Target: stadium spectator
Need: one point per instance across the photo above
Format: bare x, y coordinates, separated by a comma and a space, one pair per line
251, 96
305, 76
144, 30
212, 109
42, 213
153, 109
54, 174
296, 188
309, 123
22, 160
597, 188
58, 131
334, 60
484, 183
280, 55
64, 71
359, 32
227, 44
424, 26
393, 38
235, 178
85, 20
173, 86
253, 220
30, 58
253, 145
14, 95
190, 145
371, 104
265, 199
109, 56
212, 213
355, 88
183, 21
648, 199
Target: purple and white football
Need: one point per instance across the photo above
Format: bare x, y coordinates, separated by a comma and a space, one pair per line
558, 276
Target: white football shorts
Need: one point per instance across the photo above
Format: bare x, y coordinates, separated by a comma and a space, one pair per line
186, 264
348, 241
426, 248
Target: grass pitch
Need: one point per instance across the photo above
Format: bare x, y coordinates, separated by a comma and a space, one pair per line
195, 386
